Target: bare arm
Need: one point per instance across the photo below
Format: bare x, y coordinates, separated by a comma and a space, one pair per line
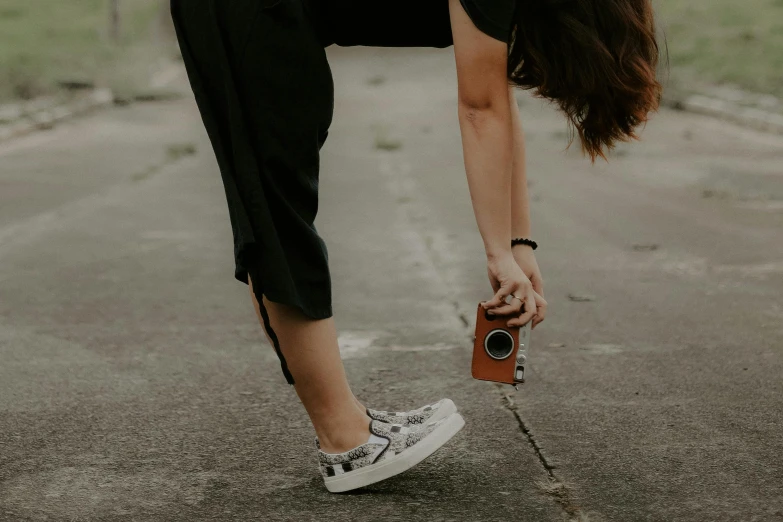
485, 122
485, 117
520, 212
520, 202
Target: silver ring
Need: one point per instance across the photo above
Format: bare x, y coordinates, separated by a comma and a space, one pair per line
515, 297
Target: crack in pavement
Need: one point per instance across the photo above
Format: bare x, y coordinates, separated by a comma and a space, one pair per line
555, 488
19, 233
402, 186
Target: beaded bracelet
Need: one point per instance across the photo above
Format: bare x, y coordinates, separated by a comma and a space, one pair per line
524, 241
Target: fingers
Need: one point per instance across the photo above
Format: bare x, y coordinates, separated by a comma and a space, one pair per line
522, 304
514, 307
519, 298
528, 312
536, 317
498, 304
538, 284
535, 308
541, 304
497, 300
541, 313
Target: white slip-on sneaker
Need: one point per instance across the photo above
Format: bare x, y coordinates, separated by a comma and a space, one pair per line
430, 412
390, 450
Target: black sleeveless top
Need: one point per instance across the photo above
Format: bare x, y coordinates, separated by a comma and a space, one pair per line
493, 17
405, 23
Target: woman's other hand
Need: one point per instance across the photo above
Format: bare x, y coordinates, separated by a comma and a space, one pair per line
526, 259
507, 279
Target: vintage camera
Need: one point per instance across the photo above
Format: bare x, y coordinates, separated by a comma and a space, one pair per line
499, 353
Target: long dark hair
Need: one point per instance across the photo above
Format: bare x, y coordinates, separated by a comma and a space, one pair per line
597, 59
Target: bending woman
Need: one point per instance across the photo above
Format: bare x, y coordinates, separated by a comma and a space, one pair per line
264, 89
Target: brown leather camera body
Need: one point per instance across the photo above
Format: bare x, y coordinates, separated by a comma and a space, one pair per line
496, 350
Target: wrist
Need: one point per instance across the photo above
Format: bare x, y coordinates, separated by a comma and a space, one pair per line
521, 248
498, 252
517, 241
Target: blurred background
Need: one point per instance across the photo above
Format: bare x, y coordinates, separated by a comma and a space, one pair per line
722, 48
135, 382
51, 49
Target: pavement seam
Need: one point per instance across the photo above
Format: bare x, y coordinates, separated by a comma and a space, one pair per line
428, 243
554, 488
511, 406
16, 234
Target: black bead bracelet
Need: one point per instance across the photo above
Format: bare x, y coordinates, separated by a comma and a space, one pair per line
524, 241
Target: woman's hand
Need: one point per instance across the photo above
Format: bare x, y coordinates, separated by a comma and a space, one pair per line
508, 279
526, 259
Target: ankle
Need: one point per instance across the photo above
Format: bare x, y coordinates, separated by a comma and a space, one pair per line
344, 436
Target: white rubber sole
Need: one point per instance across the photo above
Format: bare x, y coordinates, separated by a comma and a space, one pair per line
398, 463
446, 409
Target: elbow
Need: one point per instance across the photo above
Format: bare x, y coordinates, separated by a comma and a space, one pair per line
478, 111
477, 102
473, 116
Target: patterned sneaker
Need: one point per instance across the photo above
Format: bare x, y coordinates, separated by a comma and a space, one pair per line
391, 449
431, 412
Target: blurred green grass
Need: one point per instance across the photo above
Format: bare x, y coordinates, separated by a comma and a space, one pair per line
48, 42
45, 43
724, 42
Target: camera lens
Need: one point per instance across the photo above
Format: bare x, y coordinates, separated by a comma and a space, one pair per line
499, 344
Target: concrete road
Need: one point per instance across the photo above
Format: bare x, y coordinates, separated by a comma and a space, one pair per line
135, 383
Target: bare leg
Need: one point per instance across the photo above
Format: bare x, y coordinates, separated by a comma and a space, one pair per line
313, 356
359, 403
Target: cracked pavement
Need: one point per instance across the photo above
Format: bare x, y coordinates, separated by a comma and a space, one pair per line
136, 384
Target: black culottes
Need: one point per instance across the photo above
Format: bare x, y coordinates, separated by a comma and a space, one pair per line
262, 83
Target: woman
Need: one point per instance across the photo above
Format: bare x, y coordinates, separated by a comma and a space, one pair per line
263, 85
